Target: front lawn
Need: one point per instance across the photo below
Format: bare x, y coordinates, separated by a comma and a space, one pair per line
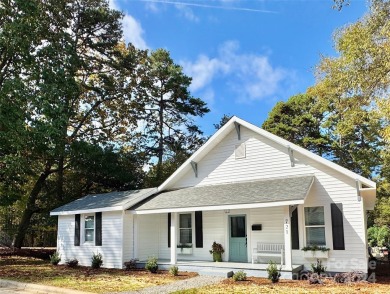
37, 271
262, 285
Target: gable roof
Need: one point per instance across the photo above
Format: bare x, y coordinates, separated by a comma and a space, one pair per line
231, 125
113, 201
261, 193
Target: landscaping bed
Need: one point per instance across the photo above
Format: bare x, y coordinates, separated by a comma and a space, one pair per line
263, 285
37, 271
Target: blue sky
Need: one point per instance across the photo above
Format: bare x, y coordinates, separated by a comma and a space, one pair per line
243, 55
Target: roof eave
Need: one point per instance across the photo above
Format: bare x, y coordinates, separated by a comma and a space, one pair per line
85, 211
219, 207
222, 132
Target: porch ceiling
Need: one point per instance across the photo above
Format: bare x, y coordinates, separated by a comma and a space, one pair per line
263, 193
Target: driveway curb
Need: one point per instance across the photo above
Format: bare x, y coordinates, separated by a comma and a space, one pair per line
39, 288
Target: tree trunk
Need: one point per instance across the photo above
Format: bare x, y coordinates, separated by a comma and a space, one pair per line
160, 139
30, 209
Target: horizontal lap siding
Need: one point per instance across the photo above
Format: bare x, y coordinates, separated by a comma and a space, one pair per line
266, 159
213, 230
148, 236
271, 220
111, 249
128, 242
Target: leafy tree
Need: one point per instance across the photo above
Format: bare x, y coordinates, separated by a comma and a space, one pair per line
168, 107
378, 236
224, 119
299, 120
353, 88
70, 82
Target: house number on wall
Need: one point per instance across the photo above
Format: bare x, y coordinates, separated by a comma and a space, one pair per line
286, 225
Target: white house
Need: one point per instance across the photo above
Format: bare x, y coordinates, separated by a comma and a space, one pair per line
263, 198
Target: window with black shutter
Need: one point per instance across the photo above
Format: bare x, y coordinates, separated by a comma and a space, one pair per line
294, 230
98, 229
169, 230
337, 226
77, 230
198, 229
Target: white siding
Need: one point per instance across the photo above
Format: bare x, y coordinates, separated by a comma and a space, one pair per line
128, 240
111, 248
266, 159
148, 236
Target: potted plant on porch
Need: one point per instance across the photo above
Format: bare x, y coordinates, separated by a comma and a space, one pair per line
216, 251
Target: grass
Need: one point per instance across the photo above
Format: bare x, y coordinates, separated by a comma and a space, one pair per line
32, 270
262, 285
37, 271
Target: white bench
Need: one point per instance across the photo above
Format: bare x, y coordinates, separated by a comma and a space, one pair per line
268, 249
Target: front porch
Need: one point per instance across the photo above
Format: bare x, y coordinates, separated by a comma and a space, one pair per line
222, 268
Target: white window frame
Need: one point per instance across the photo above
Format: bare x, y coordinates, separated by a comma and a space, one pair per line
314, 226
93, 229
192, 227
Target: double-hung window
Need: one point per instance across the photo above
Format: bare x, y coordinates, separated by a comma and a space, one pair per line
185, 228
315, 226
89, 228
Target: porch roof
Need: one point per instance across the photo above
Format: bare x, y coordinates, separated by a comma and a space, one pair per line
262, 193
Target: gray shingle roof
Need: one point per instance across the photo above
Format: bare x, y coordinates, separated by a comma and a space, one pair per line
106, 200
263, 191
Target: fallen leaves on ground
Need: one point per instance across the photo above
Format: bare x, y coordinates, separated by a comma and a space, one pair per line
32, 270
262, 285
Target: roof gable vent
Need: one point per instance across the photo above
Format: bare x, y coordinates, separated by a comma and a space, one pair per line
240, 151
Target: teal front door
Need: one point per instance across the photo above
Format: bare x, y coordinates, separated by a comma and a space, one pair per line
237, 238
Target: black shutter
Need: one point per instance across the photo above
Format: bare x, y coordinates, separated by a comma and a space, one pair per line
169, 230
294, 230
98, 229
198, 229
76, 230
337, 226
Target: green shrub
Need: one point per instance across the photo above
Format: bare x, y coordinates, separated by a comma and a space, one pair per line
273, 272
96, 260
131, 264
174, 270
55, 258
151, 265
378, 236
318, 268
72, 262
239, 276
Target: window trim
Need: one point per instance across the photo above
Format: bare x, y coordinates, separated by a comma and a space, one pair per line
314, 226
192, 227
85, 229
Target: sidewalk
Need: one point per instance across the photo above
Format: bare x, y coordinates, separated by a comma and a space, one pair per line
7, 286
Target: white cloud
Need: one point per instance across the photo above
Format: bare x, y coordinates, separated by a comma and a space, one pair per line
203, 71
133, 32
132, 29
251, 76
187, 12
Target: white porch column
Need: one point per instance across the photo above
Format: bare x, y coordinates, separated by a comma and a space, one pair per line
287, 238
173, 237
135, 236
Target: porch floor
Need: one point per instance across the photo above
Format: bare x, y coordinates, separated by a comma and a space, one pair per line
222, 268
